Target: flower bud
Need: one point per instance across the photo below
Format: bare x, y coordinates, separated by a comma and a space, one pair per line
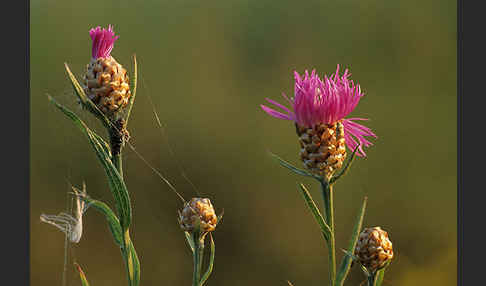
323, 148
374, 248
106, 82
198, 211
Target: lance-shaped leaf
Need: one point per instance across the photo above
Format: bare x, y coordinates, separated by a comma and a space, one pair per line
295, 169
133, 85
211, 262
190, 241
325, 229
380, 275
113, 222
82, 276
133, 263
347, 259
115, 181
344, 170
85, 101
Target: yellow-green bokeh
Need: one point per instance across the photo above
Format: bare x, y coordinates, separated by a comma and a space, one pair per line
207, 65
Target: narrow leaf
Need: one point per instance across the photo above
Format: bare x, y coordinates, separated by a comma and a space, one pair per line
115, 181
211, 262
344, 170
82, 276
110, 216
87, 103
348, 258
190, 240
325, 229
134, 88
380, 274
294, 169
134, 264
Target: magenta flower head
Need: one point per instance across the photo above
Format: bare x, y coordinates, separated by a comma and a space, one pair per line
103, 41
106, 82
319, 108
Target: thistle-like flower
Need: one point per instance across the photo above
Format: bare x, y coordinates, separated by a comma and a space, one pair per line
318, 109
106, 82
71, 225
198, 211
374, 249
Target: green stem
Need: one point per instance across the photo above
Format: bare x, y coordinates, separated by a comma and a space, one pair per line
327, 195
198, 257
371, 279
118, 163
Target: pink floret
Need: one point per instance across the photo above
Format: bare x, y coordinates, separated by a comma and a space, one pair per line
103, 40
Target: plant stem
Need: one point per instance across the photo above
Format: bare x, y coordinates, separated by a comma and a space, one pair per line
116, 132
198, 257
327, 195
371, 279
118, 163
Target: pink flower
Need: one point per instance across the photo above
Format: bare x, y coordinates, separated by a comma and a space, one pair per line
103, 41
325, 101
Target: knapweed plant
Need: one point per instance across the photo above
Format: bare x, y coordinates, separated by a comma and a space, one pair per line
106, 92
319, 109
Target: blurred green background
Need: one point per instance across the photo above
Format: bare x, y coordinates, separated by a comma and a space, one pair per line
207, 65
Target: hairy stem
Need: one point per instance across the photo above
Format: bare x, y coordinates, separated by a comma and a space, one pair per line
327, 195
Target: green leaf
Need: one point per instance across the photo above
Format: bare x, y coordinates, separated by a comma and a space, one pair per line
380, 274
82, 276
325, 229
344, 170
103, 144
85, 101
294, 169
133, 264
190, 240
115, 181
348, 258
133, 85
113, 222
211, 262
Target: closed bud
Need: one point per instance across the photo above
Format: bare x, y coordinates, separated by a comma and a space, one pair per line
374, 248
198, 211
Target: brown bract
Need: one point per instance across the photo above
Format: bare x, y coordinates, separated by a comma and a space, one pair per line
198, 210
323, 148
106, 83
374, 249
